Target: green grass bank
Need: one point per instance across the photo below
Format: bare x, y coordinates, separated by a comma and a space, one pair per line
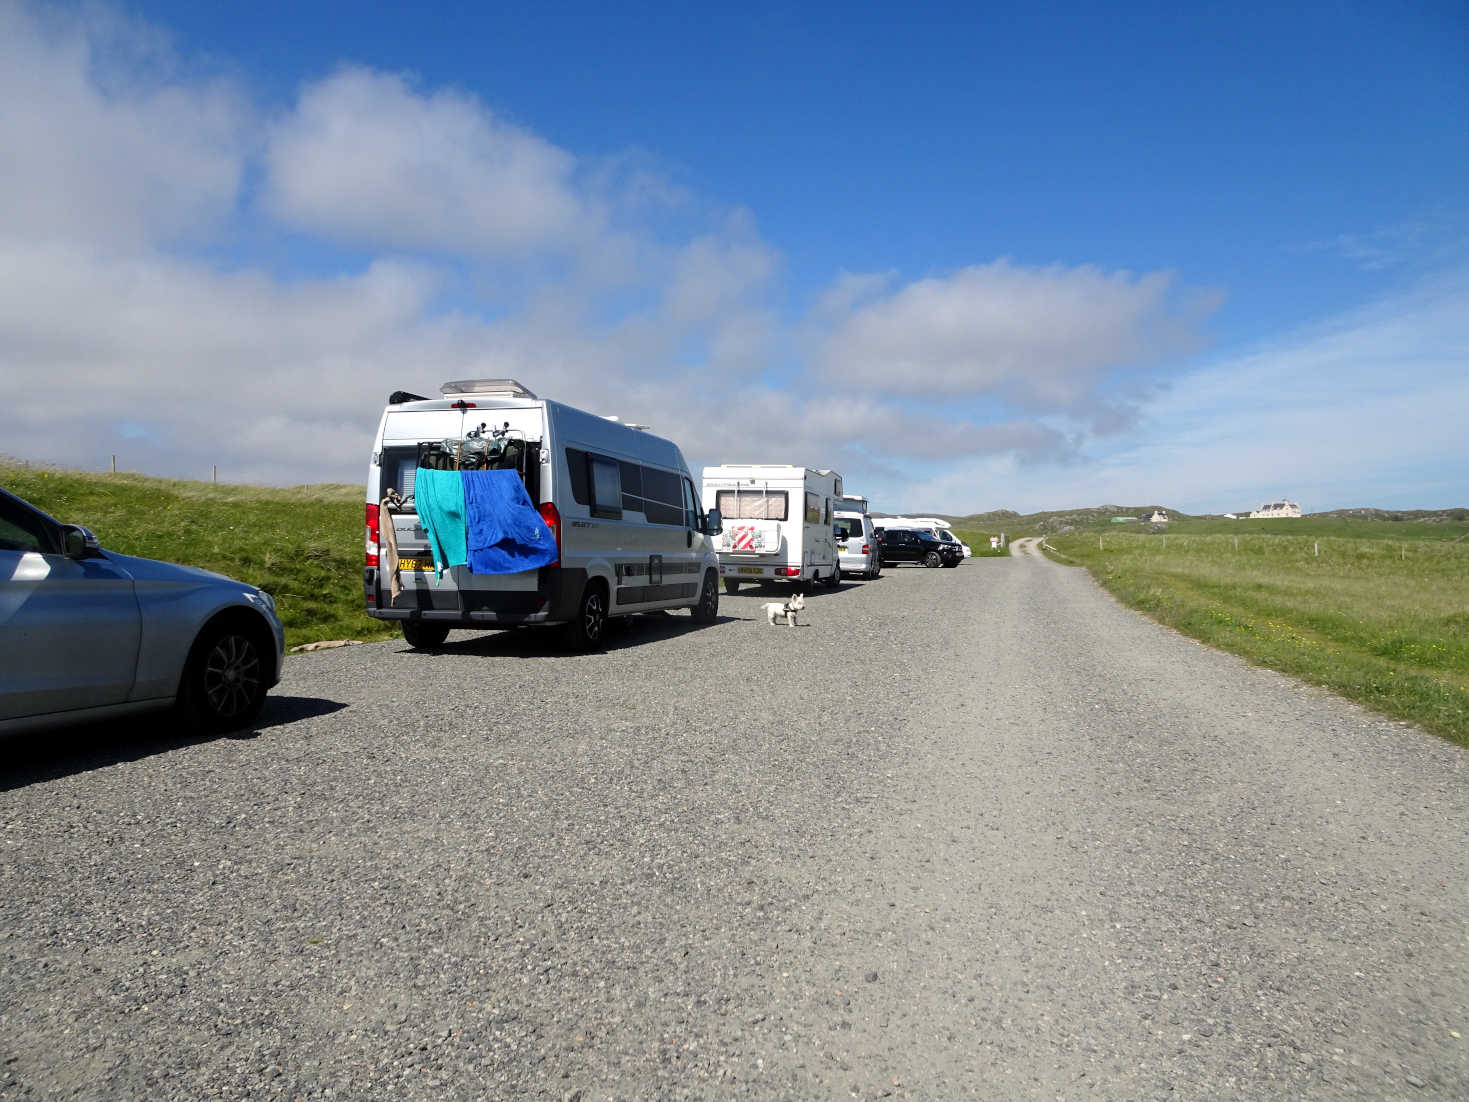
1377, 611
302, 545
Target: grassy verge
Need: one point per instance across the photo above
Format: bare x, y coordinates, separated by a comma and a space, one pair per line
302, 545
979, 543
1380, 616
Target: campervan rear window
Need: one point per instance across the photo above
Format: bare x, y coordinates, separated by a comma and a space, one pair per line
752, 504
848, 528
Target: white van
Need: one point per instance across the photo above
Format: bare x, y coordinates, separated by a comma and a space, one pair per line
567, 517
778, 527
858, 551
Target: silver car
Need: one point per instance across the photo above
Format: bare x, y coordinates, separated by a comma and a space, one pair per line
87, 633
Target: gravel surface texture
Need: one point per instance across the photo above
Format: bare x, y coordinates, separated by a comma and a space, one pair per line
962, 833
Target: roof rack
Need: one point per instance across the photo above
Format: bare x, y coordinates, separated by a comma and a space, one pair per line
509, 388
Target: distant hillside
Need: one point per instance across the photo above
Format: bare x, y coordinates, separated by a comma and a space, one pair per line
1061, 520
1427, 516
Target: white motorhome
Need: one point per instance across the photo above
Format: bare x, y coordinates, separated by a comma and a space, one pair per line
565, 517
937, 525
779, 527
858, 551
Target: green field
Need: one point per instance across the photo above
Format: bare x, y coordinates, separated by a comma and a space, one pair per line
1375, 610
302, 545
979, 542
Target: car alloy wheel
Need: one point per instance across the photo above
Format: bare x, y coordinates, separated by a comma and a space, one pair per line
224, 687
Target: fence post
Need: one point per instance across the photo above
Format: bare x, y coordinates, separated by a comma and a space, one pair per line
1236, 543
214, 473
1316, 548
114, 464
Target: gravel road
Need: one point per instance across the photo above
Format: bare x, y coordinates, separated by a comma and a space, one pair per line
962, 833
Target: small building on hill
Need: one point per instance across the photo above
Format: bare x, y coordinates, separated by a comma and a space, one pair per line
1281, 508
1155, 516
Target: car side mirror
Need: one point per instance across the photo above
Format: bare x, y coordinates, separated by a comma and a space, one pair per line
713, 523
79, 542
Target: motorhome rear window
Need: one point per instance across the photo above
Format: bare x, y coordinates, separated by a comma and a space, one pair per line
752, 504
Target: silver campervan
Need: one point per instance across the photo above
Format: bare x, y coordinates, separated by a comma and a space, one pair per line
563, 517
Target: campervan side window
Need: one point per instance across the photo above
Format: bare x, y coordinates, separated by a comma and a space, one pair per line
611, 487
751, 504
606, 487
813, 508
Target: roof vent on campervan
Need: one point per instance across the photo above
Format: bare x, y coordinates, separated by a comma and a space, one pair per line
508, 388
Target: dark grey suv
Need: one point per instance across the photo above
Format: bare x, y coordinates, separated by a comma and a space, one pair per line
915, 546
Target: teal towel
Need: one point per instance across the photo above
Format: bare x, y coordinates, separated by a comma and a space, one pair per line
439, 496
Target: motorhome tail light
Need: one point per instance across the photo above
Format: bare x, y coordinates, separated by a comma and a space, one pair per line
553, 522
787, 571
370, 543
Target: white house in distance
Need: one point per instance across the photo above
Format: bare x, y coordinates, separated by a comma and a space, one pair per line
1281, 508
1154, 516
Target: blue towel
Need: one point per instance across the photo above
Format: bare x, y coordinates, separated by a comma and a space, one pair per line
439, 496
505, 533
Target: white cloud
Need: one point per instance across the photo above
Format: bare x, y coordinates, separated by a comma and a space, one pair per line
104, 139
1043, 339
1364, 409
367, 159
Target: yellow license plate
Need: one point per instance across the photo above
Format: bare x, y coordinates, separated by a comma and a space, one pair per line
750, 570
415, 564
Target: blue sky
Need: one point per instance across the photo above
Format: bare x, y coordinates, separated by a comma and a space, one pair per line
1031, 258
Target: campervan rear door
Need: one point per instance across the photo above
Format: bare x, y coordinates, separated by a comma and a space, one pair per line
456, 588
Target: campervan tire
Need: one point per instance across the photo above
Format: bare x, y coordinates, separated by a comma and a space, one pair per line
707, 610
731, 586
932, 560
588, 628
424, 636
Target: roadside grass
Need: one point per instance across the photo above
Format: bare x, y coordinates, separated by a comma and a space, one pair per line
979, 543
302, 545
1381, 617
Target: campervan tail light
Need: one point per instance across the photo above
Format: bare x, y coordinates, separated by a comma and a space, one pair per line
371, 540
552, 517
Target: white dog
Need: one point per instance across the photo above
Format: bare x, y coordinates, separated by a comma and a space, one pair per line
788, 609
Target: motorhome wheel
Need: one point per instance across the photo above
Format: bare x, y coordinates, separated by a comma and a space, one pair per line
587, 630
707, 610
731, 586
424, 636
